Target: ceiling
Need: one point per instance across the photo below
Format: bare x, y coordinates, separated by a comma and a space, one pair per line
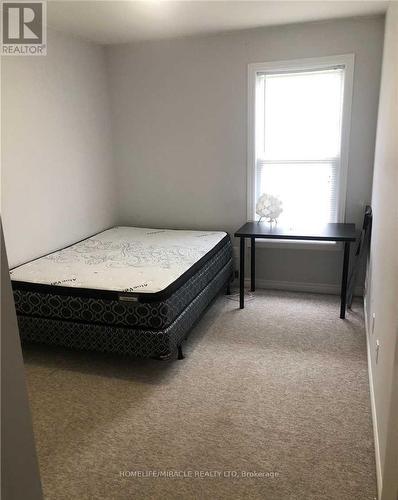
108, 22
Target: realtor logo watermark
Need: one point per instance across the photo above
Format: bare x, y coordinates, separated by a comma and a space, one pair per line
24, 28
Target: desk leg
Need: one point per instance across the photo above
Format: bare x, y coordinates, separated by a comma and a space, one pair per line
253, 264
242, 274
344, 279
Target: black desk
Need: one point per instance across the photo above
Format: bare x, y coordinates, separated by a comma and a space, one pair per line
330, 232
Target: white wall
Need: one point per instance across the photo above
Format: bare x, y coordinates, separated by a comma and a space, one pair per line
382, 279
19, 467
180, 126
57, 182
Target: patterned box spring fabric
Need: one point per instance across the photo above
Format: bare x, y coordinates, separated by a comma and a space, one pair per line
114, 312
124, 340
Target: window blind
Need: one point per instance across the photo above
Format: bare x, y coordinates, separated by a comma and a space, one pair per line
298, 142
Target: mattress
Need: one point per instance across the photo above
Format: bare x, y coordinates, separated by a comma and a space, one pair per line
96, 281
127, 260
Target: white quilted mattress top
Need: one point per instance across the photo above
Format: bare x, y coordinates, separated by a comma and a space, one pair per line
124, 259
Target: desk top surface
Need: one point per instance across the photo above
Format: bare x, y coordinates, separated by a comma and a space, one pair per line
329, 232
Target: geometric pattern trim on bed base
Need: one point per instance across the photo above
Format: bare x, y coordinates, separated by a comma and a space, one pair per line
123, 340
153, 315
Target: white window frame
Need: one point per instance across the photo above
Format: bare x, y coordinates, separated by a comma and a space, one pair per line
346, 60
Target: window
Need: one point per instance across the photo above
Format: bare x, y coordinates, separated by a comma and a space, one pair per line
299, 113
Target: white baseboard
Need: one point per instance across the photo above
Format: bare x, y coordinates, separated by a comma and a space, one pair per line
294, 286
379, 475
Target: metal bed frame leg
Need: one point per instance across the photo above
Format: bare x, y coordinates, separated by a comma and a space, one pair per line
180, 354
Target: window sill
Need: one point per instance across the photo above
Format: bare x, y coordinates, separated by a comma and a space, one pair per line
298, 244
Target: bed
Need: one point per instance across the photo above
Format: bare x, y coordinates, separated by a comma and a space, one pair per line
126, 290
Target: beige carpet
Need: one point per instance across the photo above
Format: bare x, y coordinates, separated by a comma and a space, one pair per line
279, 389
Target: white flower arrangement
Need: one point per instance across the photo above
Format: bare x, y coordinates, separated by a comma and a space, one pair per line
269, 207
